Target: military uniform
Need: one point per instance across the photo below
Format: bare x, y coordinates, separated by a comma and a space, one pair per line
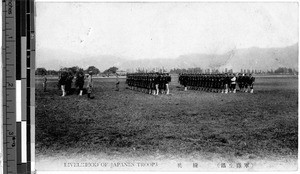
227, 83
80, 82
240, 82
157, 82
251, 82
233, 84
62, 82
168, 80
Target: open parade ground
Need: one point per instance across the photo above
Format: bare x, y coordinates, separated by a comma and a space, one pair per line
188, 124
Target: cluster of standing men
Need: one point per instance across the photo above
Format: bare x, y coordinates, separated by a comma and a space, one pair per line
151, 83
223, 83
66, 79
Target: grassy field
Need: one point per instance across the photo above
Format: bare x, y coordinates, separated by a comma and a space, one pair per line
183, 123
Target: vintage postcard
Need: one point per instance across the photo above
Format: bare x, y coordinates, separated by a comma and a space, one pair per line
166, 86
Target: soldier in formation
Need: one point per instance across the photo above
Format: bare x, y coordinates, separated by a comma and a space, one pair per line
232, 83
222, 83
150, 83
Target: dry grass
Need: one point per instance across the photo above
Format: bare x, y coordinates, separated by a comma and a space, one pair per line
184, 123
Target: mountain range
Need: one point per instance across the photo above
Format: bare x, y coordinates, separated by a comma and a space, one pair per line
246, 58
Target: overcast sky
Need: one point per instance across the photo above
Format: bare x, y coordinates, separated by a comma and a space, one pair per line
163, 30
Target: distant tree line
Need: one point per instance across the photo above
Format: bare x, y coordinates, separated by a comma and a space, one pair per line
283, 70
111, 70
74, 70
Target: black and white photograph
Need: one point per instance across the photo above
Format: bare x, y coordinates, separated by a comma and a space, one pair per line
166, 86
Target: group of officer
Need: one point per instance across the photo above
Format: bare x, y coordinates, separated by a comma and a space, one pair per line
223, 83
66, 79
65, 82
151, 83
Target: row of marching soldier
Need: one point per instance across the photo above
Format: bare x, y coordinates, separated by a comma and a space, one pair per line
151, 83
223, 83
